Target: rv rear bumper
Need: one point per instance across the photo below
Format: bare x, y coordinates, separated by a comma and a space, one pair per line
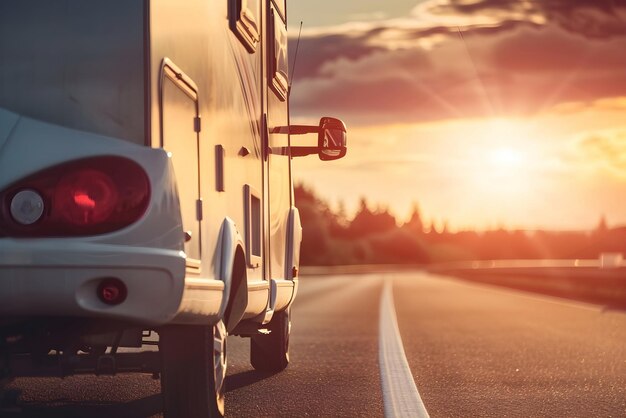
59, 277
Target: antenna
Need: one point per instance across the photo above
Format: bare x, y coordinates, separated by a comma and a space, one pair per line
295, 60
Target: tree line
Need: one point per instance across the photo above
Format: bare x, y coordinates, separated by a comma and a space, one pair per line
374, 236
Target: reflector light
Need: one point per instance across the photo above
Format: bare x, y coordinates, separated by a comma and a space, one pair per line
112, 291
27, 207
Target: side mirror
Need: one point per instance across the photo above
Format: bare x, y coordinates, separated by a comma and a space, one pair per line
331, 139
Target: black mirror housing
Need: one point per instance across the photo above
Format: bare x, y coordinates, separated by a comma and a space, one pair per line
332, 139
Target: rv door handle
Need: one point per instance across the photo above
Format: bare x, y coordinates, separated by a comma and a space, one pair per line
187, 236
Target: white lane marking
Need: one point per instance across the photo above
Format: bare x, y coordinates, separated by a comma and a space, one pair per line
400, 396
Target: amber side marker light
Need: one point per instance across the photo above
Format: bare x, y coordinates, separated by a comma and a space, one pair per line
112, 291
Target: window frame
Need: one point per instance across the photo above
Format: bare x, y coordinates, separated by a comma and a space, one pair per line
279, 79
245, 24
280, 6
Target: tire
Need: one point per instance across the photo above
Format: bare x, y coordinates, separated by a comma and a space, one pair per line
193, 370
270, 352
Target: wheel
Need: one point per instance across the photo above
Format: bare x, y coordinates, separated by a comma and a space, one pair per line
193, 370
270, 352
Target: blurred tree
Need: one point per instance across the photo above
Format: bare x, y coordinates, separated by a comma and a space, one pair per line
329, 238
415, 224
315, 245
367, 222
602, 227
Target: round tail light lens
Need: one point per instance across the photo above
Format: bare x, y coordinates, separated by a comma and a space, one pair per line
86, 197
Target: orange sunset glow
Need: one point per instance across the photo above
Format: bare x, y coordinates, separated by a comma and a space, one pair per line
520, 122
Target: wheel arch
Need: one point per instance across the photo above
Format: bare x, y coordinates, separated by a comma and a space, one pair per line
232, 271
294, 242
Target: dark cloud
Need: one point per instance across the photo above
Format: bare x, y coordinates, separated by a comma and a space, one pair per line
592, 18
390, 74
316, 51
520, 71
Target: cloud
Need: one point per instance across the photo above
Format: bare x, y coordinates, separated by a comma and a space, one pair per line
368, 16
508, 63
592, 18
464, 13
316, 51
606, 150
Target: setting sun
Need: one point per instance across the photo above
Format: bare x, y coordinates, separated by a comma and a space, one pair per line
506, 143
506, 158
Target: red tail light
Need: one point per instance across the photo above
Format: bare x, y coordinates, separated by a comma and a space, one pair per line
84, 197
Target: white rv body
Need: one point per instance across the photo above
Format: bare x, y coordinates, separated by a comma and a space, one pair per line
146, 185
194, 66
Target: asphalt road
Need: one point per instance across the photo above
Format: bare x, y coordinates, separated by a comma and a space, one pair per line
473, 350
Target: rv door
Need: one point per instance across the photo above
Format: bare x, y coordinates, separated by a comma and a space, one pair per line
180, 126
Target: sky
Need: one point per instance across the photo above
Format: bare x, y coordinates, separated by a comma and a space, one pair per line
486, 113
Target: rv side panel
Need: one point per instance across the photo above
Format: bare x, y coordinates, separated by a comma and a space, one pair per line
196, 36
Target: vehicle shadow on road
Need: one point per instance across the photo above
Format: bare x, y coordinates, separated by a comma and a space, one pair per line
146, 407
62, 408
247, 378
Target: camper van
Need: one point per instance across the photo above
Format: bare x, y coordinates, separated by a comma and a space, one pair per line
146, 198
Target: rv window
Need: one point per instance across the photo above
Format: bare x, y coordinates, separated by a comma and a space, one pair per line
278, 57
244, 22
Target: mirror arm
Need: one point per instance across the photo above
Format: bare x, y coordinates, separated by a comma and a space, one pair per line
295, 130
303, 151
